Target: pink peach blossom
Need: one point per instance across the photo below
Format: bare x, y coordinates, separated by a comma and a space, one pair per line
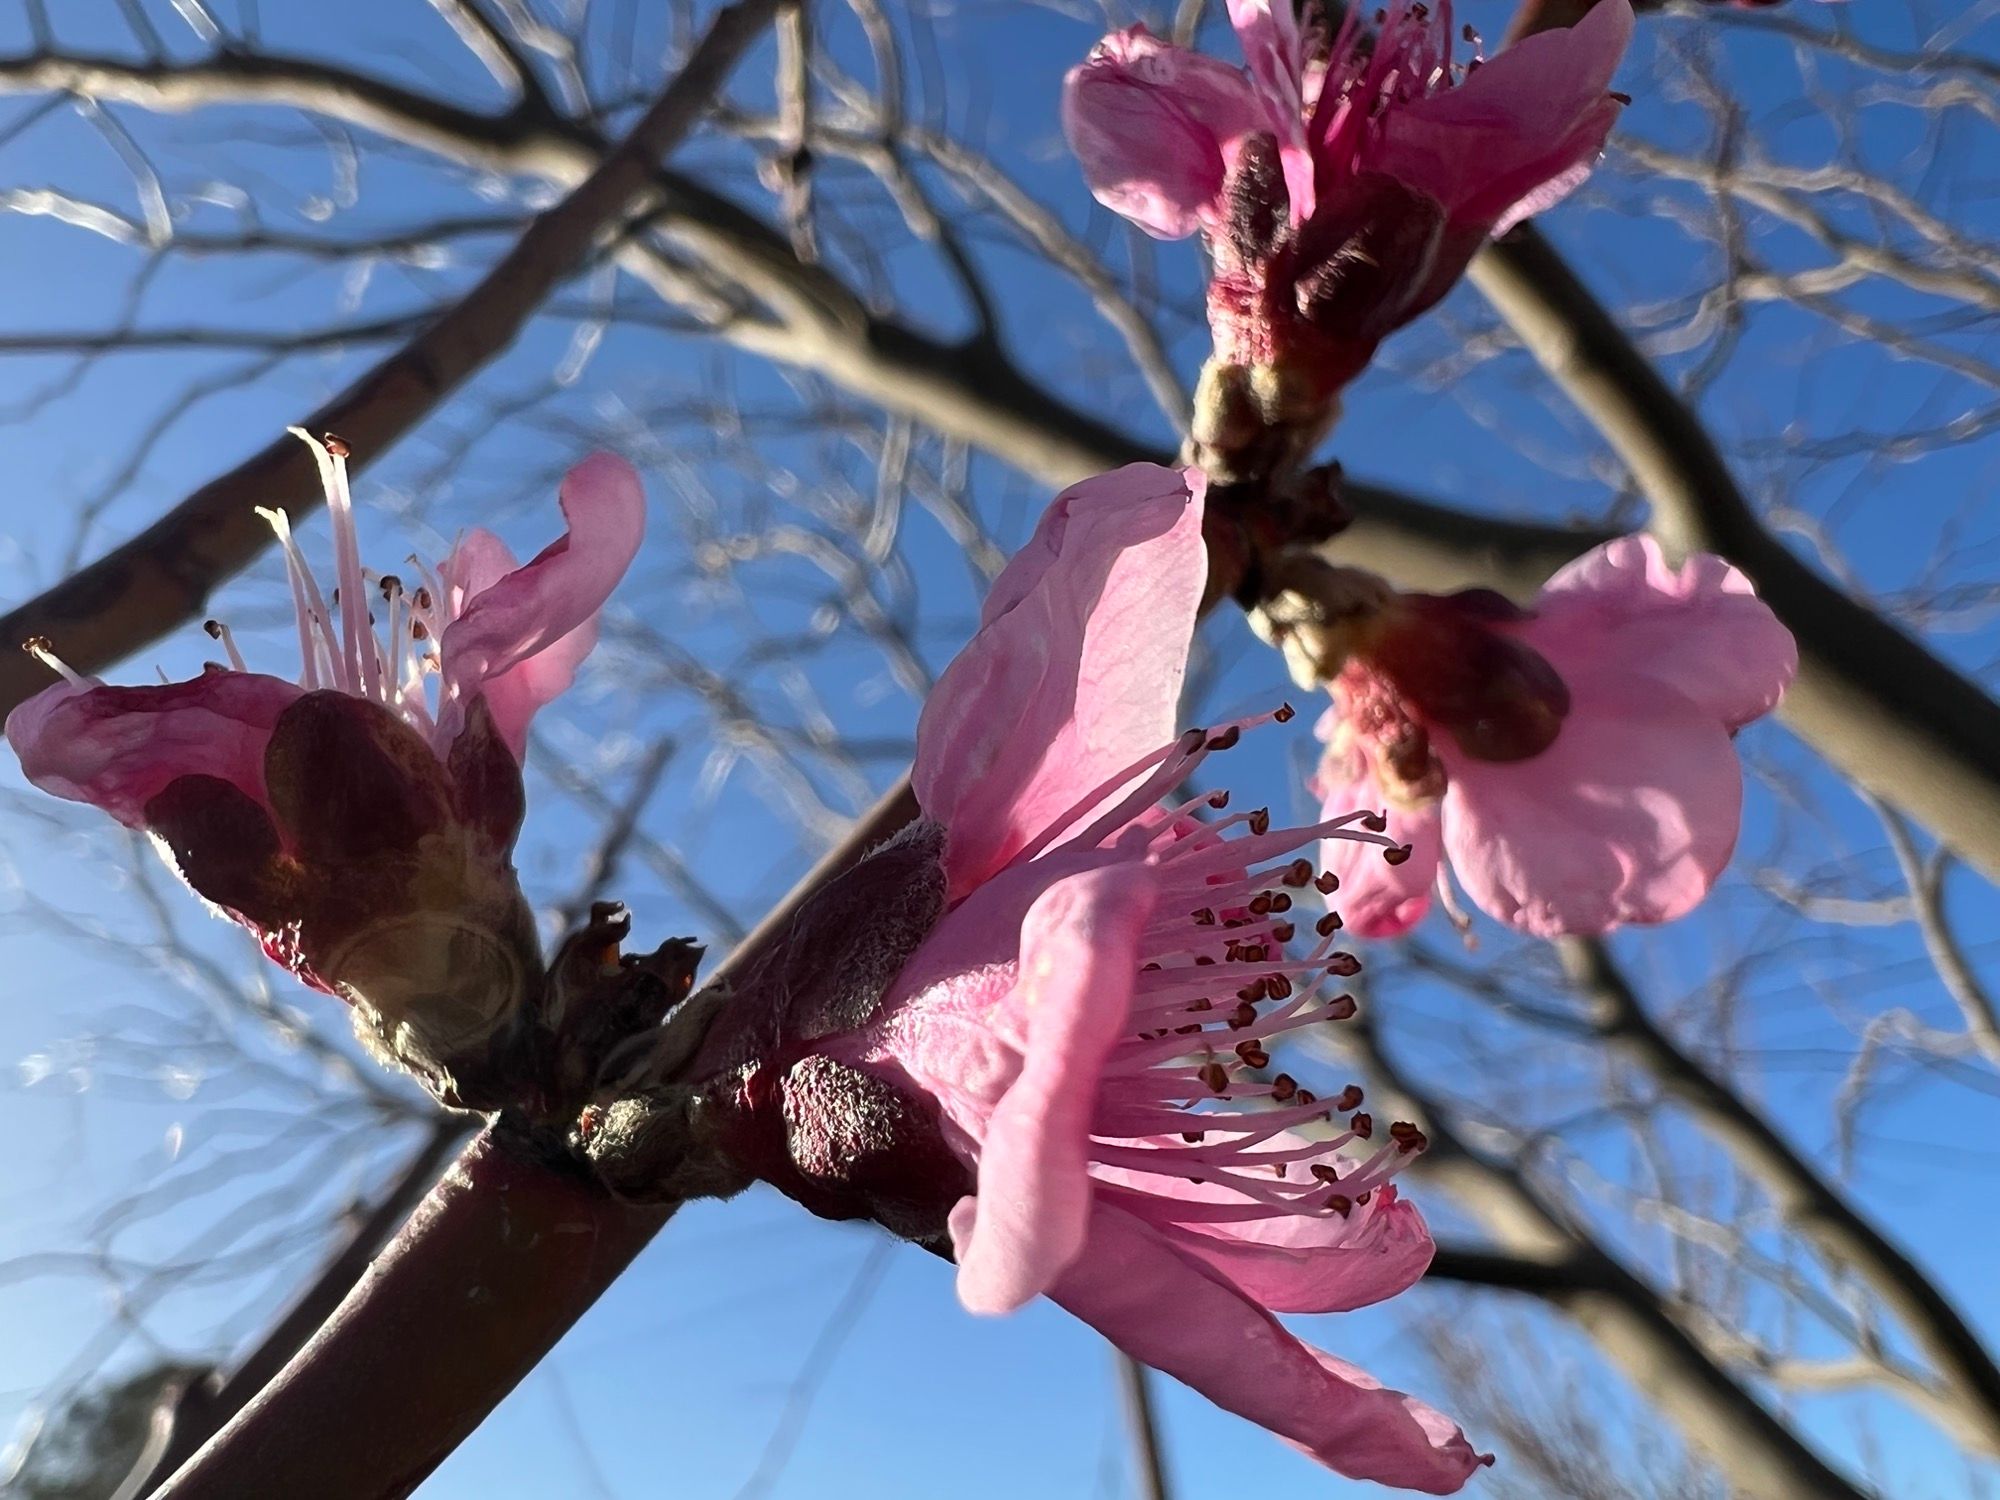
359, 825
1345, 177
1630, 811
1056, 1075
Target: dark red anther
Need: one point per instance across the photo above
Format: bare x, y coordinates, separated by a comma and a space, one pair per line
1307, 1096
1284, 932
1194, 1137
1340, 1203
1226, 739
1327, 883
1278, 987
1215, 1076
1204, 1003
1243, 1016
1345, 964
1341, 1008
1364, 1197
1284, 1088
1363, 1125
1328, 925
337, 446
1375, 822
1325, 1173
1298, 873
1280, 901
1398, 855
1350, 1098
1260, 904
1253, 1054
1194, 1030
214, 629
1205, 917
1407, 1137
1256, 990
1260, 821
1285, 714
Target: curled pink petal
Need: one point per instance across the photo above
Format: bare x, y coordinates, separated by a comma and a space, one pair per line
117, 748
1628, 817
1700, 628
1078, 951
477, 562
1153, 127
548, 607
1521, 131
1168, 1310
1075, 673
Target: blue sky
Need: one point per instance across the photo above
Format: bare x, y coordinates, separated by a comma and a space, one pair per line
677, 1381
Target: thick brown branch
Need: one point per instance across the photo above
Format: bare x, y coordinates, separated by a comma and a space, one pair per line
203, 1409
1869, 698
502, 1257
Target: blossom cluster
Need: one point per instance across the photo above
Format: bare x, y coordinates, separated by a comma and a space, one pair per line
1040, 1029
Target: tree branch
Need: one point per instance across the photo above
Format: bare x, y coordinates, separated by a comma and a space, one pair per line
1806, 1201
204, 1407
1545, 1256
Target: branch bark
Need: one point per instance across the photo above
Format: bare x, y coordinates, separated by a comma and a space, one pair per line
203, 1409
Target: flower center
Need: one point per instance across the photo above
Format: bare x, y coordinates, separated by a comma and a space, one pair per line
346, 646
1216, 984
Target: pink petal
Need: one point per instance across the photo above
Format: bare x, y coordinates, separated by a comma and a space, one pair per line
1075, 672
117, 748
1073, 990
1299, 1263
1699, 628
478, 561
1375, 899
1629, 817
1153, 126
1521, 131
519, 638
1269, 35
1167, 1309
